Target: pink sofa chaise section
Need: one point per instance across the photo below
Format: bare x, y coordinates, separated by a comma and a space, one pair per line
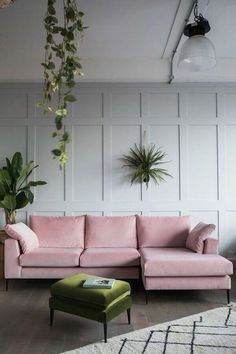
166, 266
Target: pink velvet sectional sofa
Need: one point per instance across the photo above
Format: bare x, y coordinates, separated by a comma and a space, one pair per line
160, 250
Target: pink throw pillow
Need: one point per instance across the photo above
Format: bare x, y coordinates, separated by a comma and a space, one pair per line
22, 233
196, 238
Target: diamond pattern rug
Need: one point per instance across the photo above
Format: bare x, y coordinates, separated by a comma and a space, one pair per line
209, 332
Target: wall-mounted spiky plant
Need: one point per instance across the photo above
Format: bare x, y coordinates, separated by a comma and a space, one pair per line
61, 65
144, 163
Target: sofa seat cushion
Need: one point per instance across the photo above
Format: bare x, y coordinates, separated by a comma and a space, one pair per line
51, 257
110, 257
179, 262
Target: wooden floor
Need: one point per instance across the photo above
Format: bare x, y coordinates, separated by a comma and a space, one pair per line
24, 316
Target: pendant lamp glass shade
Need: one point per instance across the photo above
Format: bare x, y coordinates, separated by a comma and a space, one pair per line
197, 54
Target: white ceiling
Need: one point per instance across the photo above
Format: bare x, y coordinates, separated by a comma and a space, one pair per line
127, 40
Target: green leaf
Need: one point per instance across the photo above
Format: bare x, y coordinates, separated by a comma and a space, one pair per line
70, 13
9, 167
50, 20
56, 152
61, 112
29, 195
44, 65
60, 54
66, 137
58, 122
70, 84
36, 183
70, 36
57, 29
63, 32
21, 200
50, 38
51, 2
5, 178
26, 171
80, 26
51, 65
70, 98
2, 191
9, 202
51, 10
16, 165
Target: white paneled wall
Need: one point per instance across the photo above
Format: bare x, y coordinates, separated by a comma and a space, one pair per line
195, 125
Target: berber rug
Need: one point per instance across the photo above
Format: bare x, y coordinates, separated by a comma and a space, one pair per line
213, 331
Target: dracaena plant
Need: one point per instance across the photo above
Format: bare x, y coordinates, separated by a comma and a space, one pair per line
61, 65
15, 187
145, 163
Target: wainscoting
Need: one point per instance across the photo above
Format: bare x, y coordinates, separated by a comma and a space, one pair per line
195, 125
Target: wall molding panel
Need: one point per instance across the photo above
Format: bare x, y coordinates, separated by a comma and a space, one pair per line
194, 124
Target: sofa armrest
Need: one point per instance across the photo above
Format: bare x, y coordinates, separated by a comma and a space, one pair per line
12, 253
211, 246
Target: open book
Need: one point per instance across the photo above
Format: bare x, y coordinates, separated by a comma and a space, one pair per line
99, 283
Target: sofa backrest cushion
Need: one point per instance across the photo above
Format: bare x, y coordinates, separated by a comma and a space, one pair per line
110, 231
162, 231
197, 236
59, 231
22, 233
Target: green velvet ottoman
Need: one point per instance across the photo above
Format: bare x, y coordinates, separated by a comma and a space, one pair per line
102, 305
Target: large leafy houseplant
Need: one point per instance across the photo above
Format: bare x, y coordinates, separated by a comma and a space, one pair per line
15, 188
61, 65
145, 164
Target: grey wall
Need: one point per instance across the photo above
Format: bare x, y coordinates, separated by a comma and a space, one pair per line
195, 125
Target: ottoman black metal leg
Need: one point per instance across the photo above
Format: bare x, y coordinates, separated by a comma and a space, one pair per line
228, 295
105, 332
51, 317
6, 284
128, 315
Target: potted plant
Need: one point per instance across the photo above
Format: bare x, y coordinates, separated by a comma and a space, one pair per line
15, 189
144, 163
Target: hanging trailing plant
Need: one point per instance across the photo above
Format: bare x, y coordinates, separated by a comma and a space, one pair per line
61, 65
144, 163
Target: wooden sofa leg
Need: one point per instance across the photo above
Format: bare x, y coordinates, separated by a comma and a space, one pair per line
6, 284
51, 317
105, 332
228, 296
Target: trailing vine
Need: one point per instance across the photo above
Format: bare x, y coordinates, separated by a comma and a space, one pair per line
61, 65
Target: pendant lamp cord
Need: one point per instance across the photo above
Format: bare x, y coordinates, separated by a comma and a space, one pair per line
198, 17
195, 11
